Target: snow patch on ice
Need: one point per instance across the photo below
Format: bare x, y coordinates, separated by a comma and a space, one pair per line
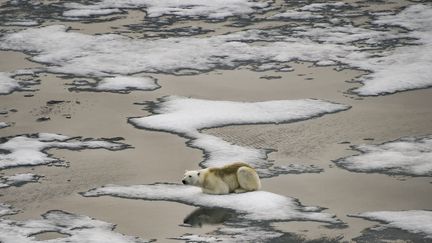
257, 205
18, 179
414, 221
75, 228
30, 149
407, 156
188, 117
118, 84
216, 9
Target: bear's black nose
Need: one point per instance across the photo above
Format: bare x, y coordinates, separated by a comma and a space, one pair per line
184, 182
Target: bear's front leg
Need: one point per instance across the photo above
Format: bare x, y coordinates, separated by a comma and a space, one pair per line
216, 190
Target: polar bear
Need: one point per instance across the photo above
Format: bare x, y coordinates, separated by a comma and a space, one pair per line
237, 177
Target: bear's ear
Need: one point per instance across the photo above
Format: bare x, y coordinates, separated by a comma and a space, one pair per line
186, 171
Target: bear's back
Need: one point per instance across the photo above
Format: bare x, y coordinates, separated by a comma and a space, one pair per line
228, 170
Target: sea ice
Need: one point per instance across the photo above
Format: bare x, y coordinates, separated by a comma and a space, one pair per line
7, 84
396, 60
120, 84
73, 228
407, 67
18, 179
3, 125
188, 117
216, 9
293, 14
407, 156
323, 6
414, 221
83, 12
6, 209
102, 55
256, 206
422, 20
22, 23
235, 233
31, 149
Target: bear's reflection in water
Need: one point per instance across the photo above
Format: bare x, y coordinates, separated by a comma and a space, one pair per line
202, 216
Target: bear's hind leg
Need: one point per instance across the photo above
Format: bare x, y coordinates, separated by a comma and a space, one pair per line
248, 179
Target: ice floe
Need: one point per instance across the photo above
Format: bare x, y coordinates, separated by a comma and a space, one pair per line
188, 116
22, 23
293, 14
8, 84
257, 206
31, 149
18, 179
88, 12
323, 6
407, 156
103, 55
407, 67
3, 125
235, 234
422, 20
309, 11
252, 233
396, 60
118, 84
6, 209
72, 228
298, 168
216, 9
19, 80
413, 221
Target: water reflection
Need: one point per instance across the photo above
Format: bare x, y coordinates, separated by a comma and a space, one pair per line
212, 216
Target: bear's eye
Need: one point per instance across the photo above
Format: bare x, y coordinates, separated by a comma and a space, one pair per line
190, 176
198, 173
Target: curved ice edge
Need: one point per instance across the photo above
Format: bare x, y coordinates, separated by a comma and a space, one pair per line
75, 228
403, 170
255, 206
14, 149
6, 209
189, 9
412, 221
153, 108
358, 90
120, 84
18, 180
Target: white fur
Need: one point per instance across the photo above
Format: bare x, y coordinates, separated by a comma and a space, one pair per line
226, 181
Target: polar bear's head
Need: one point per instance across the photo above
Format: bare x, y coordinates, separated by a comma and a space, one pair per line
191, 177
